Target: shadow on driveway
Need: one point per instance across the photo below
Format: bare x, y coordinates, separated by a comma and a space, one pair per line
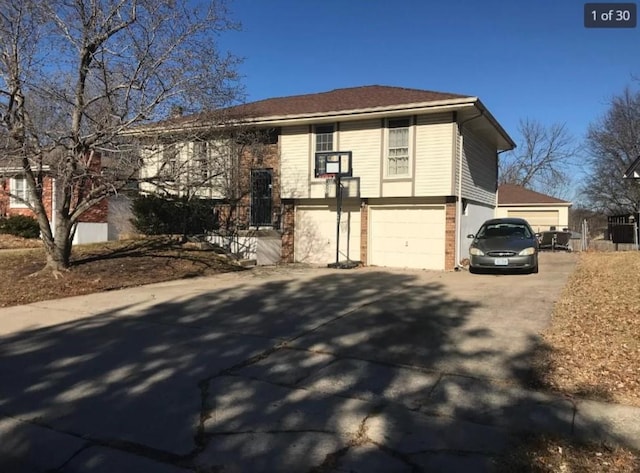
339, 372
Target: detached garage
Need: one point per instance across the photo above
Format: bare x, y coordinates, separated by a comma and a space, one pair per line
543, 212
407, 236
540, 220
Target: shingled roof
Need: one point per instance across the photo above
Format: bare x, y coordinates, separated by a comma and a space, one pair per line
511, 194
338, 100
346, 99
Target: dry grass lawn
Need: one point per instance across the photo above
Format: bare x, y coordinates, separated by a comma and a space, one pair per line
594, 338
100, 267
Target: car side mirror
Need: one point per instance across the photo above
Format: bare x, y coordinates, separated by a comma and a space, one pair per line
471, 235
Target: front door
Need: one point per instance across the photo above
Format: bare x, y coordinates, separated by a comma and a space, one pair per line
261, 187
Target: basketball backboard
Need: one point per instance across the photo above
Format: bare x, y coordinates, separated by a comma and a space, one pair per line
331, 164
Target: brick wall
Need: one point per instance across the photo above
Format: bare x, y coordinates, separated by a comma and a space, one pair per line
450, 236
288, 231
96, 214
265, 157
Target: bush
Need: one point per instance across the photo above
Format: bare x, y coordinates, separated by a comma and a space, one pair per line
21, 226
153, 215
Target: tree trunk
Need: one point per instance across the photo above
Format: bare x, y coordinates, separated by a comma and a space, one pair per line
58, 249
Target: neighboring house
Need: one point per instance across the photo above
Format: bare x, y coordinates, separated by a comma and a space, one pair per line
92, 225
424, 173
543, 212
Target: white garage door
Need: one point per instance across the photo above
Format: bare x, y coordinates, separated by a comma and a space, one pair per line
540, 220
315, 234
407, 237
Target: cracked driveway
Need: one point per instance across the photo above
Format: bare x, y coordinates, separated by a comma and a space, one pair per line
279, 369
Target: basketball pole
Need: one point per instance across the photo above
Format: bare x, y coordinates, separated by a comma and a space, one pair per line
338, 212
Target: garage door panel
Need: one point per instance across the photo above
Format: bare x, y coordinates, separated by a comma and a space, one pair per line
315, 234
540, 220
410, 237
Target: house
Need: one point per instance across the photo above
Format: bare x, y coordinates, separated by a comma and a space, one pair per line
92, 225
543, 212
424, 173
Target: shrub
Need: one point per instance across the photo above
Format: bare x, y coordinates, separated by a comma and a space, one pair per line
21, 226
153, 215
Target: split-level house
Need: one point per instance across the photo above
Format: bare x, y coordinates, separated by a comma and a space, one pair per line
424, 173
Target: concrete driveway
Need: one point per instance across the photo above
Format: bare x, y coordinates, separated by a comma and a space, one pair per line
280, 369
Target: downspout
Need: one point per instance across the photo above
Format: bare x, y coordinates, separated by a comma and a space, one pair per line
498, 177
459, 197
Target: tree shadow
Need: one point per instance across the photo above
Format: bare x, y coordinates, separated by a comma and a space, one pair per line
274, 374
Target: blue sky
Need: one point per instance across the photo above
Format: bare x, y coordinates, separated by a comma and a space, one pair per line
523, 59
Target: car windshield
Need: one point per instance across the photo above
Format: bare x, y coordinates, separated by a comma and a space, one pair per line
504, 230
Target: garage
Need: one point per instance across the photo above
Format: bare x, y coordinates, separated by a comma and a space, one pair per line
540, 220
315, 234
407, 236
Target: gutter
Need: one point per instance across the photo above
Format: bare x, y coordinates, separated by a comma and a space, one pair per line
317, 117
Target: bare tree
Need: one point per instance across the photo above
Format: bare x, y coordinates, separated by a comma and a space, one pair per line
77, 75
614, 143
542, 161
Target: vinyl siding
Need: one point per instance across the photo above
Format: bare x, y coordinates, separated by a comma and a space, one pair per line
434, 155
364, 139
295, 162
479, 170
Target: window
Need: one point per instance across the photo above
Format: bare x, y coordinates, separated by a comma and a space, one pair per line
19, 189
170, 161
398, 147
324, 138
201, 160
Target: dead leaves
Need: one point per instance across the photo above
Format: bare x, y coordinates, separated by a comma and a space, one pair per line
594, 337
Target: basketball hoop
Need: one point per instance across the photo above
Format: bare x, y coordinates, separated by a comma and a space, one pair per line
333, 166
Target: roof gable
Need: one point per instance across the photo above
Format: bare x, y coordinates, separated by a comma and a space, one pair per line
511, 194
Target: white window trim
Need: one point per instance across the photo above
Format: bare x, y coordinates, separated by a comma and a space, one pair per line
14, 203
409, 174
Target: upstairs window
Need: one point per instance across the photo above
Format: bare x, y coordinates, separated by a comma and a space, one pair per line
398, 147
324, 138
201, 160
170, 161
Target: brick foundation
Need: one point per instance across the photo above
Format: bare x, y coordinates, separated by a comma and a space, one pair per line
450, 236
364, 232
288, 231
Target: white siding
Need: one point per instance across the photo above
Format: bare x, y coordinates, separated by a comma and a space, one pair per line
396, 188
295, 162
479, 170
434, 155
364, 139
475, 216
